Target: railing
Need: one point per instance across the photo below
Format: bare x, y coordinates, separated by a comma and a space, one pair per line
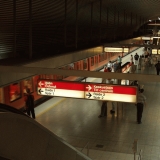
87, 145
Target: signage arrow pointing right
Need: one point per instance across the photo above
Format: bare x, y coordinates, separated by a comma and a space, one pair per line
89, 95
89, 87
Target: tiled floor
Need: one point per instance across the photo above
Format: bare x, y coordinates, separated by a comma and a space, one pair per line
110, 138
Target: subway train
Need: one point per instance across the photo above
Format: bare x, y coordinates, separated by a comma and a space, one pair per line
13, 94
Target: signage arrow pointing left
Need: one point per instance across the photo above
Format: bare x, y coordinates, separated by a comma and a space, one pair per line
40, 91
40, 84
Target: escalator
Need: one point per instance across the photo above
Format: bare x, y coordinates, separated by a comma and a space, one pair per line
23, 138
7, 108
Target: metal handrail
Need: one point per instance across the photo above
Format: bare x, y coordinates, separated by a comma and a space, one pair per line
87, 145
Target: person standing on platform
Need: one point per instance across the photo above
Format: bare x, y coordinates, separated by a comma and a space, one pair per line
29, 100
136, 57
112, 111
141, 101
140, 62
158, 67
103, 109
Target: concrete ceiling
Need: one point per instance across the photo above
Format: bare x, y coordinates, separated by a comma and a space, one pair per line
58, 26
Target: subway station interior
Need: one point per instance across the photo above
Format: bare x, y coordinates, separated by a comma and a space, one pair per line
59, 50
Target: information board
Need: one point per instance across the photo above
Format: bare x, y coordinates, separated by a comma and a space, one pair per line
111, 92
92, 91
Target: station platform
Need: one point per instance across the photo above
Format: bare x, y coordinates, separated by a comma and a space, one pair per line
110, 138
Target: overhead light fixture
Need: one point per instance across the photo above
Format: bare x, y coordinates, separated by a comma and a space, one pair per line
150, 20
158, 18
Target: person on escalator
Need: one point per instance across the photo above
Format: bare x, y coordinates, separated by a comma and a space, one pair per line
29, 100
132, 68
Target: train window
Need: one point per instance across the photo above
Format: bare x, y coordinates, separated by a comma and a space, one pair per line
66, 67
85, 64
47, 76
105, 56
96, 59
14, 91
59, 77
100, 58
71, 66
41, 76
77, 65
51, 76
92, 61
28, 83
1, 96
54, 77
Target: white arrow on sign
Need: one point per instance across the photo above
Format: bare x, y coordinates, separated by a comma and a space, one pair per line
40, 83
89, 87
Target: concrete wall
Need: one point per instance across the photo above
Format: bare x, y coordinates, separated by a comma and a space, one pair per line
63, 59
22, 138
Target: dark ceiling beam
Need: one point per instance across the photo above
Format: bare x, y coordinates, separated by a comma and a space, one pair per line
100, 19
91, 23
65, 23
76, 27
30, 29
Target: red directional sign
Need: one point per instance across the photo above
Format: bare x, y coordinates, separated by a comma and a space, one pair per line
88, 90
62, 89
110, 92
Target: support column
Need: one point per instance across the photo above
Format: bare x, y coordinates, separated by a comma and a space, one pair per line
136, 19
30, 29
107, 16
76, 35
100, 20
131, 18
114, 34
65, 24
107, 19
118, 19
14, 22
124, 17
91, 21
